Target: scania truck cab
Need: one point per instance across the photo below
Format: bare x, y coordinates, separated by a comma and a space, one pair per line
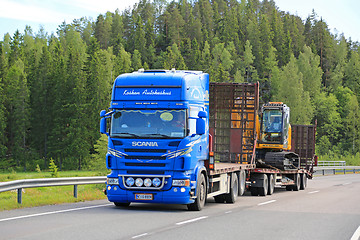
158, 139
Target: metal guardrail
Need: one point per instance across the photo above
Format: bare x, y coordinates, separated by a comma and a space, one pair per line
48, 182
335, 169
331, 163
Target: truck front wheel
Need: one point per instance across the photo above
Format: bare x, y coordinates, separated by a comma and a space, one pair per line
201, 191
121, 204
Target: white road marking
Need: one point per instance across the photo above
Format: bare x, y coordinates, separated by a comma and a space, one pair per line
192, 220
313, 192
228, 212
347, 183
264, 203
356, 235
54, 212
140, 235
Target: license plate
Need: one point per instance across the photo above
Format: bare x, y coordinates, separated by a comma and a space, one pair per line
143, 196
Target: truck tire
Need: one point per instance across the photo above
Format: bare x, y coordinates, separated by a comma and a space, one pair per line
122, 204
242, 182
264, 189
201, 193
234, 188
303, 182
296, 186
271, 184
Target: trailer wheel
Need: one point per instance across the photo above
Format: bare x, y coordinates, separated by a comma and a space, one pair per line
271, 184
303, 182
200, 195
264, 189
242, 182
122, 204
296, 186
234, 188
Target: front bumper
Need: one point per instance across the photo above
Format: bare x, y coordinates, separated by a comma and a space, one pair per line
176, 195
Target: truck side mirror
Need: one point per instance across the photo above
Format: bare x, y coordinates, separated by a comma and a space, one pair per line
202, 114
200, 126
200, 123
103, 122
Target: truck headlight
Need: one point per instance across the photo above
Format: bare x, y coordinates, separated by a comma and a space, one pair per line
181, 183
113, 181
147, 182
139, 182
130, 181
156, 182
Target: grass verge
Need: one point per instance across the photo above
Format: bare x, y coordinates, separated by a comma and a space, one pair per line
33, 197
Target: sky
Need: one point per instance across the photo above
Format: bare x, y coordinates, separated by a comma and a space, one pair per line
16, 14
341, 15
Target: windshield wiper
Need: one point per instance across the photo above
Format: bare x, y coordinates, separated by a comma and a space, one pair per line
125, 133
156, 134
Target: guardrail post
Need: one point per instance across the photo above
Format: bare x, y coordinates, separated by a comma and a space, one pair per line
75, 191
19, 195
344, 171
323, 171
334, 171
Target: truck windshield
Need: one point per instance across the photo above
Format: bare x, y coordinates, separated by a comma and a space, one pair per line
272, 126
148, 124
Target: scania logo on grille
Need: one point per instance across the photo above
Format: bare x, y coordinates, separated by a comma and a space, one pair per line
145, 144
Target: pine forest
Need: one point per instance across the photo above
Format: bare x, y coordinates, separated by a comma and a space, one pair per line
53, 86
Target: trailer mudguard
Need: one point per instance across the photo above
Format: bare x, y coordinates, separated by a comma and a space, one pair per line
257, 180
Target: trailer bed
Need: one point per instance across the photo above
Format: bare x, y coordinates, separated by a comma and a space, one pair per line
230, 167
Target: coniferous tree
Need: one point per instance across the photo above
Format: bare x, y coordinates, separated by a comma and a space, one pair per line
65, 78
17, 102
309, 66
352, 74
173, 58
292, 93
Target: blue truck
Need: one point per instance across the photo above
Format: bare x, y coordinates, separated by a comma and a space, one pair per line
171, 141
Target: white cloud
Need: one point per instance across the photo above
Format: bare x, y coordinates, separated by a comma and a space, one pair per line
56, 11
31, 11
101, 6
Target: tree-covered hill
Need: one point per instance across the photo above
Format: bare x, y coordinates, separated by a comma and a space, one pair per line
52, 87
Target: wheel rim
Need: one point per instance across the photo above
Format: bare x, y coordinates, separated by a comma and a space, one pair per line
202, 191
298, 181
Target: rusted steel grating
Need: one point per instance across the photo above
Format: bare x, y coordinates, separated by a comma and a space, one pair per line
233, 108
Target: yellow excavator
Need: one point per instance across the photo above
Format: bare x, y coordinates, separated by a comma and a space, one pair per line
273, 131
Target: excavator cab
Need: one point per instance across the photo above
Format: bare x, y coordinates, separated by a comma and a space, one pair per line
274, 138
275, 126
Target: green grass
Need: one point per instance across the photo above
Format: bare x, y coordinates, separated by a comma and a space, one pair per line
33, 197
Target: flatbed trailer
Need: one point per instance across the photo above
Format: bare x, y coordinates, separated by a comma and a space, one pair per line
233, 115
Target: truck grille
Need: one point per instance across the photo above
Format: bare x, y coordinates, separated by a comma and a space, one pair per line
146, 157
145, 150
145, 164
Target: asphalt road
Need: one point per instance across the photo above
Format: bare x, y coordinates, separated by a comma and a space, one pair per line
328, 209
